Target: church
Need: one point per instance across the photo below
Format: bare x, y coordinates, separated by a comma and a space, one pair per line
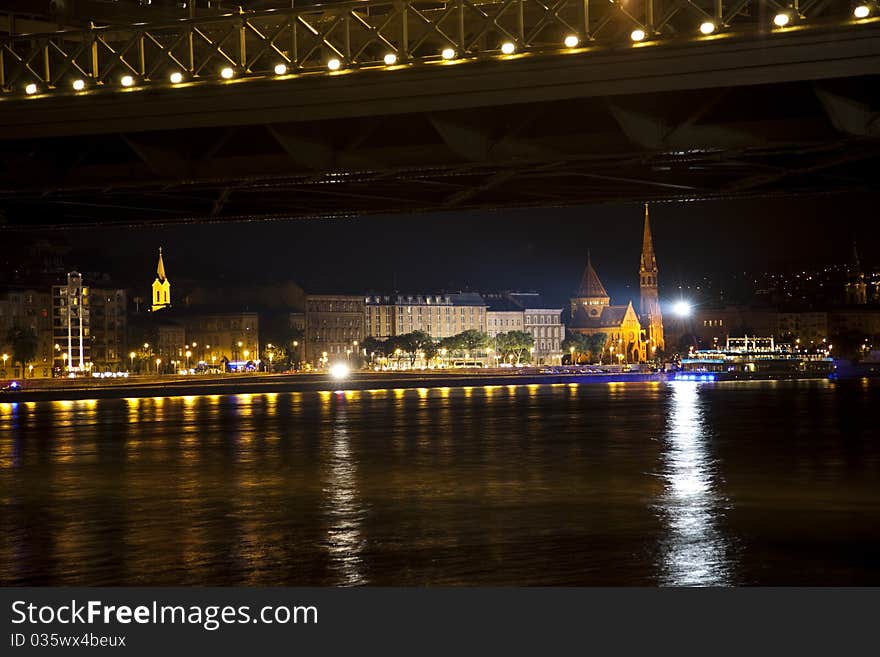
637, 337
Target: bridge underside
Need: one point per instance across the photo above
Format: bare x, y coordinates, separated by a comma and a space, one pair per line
547, 131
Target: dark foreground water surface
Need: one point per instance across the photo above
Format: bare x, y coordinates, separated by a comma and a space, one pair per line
613, 484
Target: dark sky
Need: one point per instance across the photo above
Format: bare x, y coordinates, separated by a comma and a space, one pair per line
538, 249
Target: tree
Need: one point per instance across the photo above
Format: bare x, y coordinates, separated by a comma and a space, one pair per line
23, 341
275, 356
452, 343
415, 344
514, 344
472, 340
576, 345
595, 345
587, 348
145, 357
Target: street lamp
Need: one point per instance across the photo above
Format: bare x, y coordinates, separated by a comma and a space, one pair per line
571, 355
5, 358
158, 362
131, 358
188, 354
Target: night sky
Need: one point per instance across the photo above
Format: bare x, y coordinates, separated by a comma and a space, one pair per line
527, 249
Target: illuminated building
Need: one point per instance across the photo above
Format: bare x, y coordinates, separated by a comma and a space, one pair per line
544, 323
334, 325
30, 308
649, 306
161, 293
70, 323
503, 315
593, 314
108, 326
438, 315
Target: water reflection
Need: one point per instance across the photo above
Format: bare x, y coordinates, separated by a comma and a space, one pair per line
517, 485
343, 510
696, 553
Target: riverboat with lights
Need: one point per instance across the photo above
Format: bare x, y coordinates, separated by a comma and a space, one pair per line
755, 358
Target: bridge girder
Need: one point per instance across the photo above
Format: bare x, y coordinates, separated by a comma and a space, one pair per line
744, 113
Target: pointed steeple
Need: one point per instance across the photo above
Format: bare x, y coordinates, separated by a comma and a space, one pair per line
854, 264
161, 291
648, 261
591, 286
160, 269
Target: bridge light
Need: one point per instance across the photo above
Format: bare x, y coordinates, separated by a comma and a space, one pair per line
78, 85
783, 18
508, 48
571, 41
280, 69
862, 11
31, 89
390, 59
448, 53
176, 77
126, 81
707, 27
334, 64
227, 73
637, 35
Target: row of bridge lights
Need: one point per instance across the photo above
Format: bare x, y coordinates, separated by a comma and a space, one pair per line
782, 19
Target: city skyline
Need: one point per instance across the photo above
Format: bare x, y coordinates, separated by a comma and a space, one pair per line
507, 250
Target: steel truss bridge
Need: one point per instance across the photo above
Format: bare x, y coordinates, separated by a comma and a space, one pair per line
392, 106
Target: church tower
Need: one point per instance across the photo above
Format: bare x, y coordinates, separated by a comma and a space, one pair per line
649, 306
591, 295
856, 290
161, 297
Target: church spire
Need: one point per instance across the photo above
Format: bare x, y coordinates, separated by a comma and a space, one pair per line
856, 289
161, 292
854, 264
591, 286
648, 260
160, 269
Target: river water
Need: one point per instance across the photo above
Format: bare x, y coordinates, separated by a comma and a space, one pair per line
681, 483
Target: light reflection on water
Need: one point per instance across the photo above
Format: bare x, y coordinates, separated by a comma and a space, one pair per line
696, 553
618, 484
342, 506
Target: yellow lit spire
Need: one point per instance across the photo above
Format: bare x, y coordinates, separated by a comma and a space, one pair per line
160, 270
161, 292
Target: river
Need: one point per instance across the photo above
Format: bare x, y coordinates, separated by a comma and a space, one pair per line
653, 483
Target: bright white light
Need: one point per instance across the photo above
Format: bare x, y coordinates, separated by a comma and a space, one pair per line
862, 11
30, 89
781, 19
227, 73
339, 370
571, 41
334, 64
448, 53
682, 309
176, 77
390, 59
79, 85
507, 48
637, 35
280, 69
126, 81
707, 27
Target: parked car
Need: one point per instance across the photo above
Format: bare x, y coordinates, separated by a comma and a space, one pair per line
12, 386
